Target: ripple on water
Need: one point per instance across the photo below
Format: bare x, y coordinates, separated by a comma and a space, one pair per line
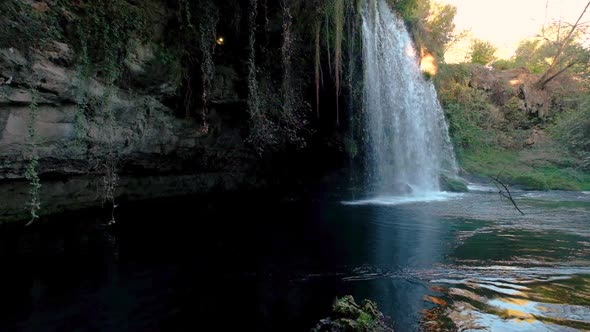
535, 299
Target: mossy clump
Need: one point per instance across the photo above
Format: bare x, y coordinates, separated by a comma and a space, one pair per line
452, 185
530, 182
351, 317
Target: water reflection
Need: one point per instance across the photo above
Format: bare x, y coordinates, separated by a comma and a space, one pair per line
482, 305
468, 263
400, 239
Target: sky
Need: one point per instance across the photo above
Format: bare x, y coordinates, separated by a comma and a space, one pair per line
505, 22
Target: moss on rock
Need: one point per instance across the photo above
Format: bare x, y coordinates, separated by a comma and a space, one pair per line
352, 317
453, 185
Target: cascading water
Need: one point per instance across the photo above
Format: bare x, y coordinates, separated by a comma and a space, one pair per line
408, 140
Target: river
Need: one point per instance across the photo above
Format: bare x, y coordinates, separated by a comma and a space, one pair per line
469, 262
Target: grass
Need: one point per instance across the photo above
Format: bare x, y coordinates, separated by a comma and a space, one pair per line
528, 169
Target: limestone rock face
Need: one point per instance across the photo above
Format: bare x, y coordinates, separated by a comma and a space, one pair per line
145, 132
146, 136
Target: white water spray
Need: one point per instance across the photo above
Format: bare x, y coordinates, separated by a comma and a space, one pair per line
408, 140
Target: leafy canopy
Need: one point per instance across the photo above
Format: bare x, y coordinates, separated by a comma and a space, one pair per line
482, 52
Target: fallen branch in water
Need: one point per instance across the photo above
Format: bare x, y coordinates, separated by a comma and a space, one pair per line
504, 192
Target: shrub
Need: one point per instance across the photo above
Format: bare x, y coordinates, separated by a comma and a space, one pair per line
572, 130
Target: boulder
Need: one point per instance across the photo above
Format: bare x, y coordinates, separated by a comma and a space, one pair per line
452, 185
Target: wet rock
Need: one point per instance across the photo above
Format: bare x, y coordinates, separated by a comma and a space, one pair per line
452, 185
402, 188
348, 316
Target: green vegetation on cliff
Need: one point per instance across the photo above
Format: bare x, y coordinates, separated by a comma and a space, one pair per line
500, 125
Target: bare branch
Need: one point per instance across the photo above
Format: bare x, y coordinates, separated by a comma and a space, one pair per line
504, 191
548, 79
543, 80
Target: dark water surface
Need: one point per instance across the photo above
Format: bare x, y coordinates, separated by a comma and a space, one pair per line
235, 263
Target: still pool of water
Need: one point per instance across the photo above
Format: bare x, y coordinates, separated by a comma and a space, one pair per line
469, 263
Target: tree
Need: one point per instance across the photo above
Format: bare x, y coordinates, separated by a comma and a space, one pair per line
560, 62
537, 55
439, 23
532, 54
482, 52
432, 24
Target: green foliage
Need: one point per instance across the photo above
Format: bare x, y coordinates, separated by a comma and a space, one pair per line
82, 103
515, 113
24, 27
164, 67
451, 73
408, 9
440, 26
350, 316
104, 30
453, 185
333, 15
502, 64
537, 54
287, 92
365, 321
208, 36
531, 182
515, 168
32, 170
276, 104
339, 29
488, 144
274, 126
482, 52
468, 110
532, 55
432, 23
464, 128
103, 36
572, 130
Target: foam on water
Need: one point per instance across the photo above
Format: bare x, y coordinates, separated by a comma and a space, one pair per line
423, 197
481, 187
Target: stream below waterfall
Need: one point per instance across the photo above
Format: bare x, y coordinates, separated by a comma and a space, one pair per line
249, 263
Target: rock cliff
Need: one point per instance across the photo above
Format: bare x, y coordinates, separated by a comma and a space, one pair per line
78, 126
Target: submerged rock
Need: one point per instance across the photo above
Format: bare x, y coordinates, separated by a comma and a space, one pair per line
351, 317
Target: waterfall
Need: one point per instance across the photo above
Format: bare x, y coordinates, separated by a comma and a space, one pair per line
408, 140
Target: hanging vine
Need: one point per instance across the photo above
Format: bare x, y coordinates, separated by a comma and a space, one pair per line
32, 170
80, 121
111, 177
328, 52
339, 27
253, 97
107, 27
189, 35
208, 35
286, 50
317, 65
